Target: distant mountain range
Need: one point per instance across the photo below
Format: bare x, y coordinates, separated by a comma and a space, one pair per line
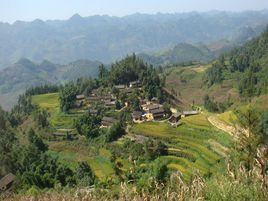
106, 38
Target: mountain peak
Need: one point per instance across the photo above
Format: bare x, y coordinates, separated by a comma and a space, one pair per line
76, 17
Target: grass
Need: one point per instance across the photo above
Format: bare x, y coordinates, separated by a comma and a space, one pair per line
228, 117
58, 120
195, 145
102, 167
47, 101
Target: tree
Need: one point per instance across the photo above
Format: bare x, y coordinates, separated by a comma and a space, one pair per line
214, 74
88, 125
249, 136
37, 141
115, 132
41, 117
84, 174
67, 97
209, 104
154, 149
160, 172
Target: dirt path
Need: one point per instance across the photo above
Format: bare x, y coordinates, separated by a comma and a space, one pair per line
221, 125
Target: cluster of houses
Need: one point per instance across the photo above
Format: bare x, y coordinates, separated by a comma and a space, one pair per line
151, 110
155, 112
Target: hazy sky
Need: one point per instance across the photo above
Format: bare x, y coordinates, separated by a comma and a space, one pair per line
12, 10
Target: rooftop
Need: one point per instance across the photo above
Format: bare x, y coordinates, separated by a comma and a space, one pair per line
190, 112
6, 180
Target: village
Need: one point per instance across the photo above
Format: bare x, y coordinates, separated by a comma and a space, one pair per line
149, 110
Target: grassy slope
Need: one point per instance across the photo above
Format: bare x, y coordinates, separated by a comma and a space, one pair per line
188, 85
51, 103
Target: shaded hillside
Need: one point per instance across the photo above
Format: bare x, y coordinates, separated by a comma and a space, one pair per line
201, 52
24, 74
107, 38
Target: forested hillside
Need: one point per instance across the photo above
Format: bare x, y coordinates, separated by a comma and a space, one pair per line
107, 38
247, 66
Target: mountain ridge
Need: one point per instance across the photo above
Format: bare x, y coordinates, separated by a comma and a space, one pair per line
107, 38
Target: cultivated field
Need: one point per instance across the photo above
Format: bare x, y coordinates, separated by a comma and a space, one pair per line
194, 146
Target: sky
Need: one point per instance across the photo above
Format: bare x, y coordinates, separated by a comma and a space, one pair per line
28, 10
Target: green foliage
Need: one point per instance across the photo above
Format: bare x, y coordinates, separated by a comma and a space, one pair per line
223, 188
7, 143
41, 118
210, 105
84, 174
88, 125
249, 64
115, 132
39, 169
251, 136
154, 149
214, 74
67, 97
24, 106
36, 141
248, 85
129, 69
43, 89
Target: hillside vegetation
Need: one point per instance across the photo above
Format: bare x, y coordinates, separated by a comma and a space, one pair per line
232, 79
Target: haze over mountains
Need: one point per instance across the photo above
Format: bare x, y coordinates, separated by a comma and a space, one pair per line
62, 50
106, 38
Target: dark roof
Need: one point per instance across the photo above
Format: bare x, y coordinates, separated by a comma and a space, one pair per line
136, 114
108, 119
135, 82
109, 103
157, 111
6, 180
93, 111
128, 90
190, 112
120, 86
93, 98
60, 134
153, 107
95, 91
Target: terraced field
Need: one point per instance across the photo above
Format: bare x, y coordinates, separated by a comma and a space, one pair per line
57, 119
194, 146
